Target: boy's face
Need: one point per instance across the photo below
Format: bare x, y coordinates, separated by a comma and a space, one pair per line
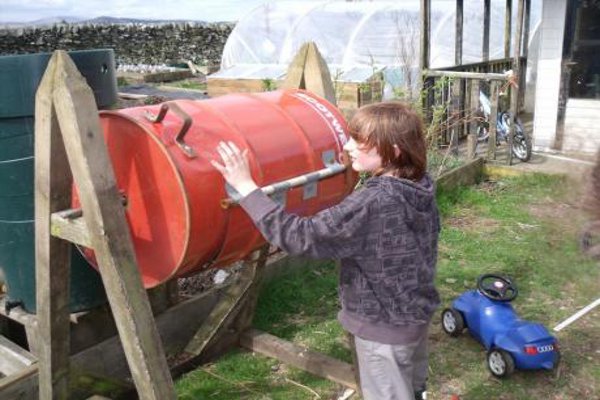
363, 159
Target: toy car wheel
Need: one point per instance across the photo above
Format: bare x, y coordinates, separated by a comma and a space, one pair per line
500, 363
453, 322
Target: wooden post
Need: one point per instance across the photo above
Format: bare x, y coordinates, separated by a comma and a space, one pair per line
459, 32
525, 51
425, 34
485, 54
514, 92
426, 83
108, 232
474, 106
458, 61
52, 193
507, 28
295, 73
316, 74
455, 114
471, 146
308, 70
493, 120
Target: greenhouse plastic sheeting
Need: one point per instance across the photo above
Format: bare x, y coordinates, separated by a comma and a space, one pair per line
371, 35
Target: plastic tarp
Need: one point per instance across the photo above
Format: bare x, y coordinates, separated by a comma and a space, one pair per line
357, 38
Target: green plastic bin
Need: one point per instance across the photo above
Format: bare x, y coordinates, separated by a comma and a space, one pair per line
19, 78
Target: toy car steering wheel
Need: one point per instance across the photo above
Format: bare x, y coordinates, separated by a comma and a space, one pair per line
497, 287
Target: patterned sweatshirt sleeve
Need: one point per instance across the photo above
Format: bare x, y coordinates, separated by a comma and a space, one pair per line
337, 232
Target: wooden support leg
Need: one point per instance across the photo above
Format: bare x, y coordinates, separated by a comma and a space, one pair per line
108, 232
235, 310
52, 193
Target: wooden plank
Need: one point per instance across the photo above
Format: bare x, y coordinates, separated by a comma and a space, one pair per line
465, 175
52, 193
317, 78
236, 83
300, 357
22, 385
109, 234
132, 96
465, 75
13, 358
507, 28
232, 298
72, 230
176, 327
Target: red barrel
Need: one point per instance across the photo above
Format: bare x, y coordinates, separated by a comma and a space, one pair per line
174, 195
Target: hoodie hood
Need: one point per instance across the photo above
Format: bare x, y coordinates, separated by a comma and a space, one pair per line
417, 195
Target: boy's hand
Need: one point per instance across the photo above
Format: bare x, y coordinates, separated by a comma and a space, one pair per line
235, 168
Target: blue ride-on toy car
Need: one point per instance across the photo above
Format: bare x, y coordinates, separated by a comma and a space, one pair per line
510, 341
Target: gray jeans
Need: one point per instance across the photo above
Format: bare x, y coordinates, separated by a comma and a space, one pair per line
391, 372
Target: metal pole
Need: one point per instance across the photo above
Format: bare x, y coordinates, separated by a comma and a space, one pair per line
300, 180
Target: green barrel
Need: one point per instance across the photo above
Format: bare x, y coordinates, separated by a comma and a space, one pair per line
20, 76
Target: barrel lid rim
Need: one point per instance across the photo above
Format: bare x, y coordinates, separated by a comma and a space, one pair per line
163, 148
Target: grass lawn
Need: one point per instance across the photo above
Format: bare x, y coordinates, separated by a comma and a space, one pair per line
525, 226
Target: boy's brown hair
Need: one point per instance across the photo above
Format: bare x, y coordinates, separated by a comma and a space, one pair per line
388, 124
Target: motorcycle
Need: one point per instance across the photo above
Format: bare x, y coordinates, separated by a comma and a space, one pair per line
521, 146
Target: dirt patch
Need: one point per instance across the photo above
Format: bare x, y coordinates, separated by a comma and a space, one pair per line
466, 220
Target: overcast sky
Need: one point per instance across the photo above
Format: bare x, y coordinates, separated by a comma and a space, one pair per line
204, 10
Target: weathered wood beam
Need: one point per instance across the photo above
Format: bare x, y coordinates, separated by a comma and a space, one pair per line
13, 358
485, 53
52, 255
516, 66
72, 230
22, 385
109, 235
300, 357
108, 359
294, 78
465, 75
308, 70
232, 299
458, 45
507, 28
425, 15
317, 78
493, 119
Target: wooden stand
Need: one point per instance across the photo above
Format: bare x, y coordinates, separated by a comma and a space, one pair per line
69, 145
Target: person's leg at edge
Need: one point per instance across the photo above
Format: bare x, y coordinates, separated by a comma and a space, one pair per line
386, 371
421, 369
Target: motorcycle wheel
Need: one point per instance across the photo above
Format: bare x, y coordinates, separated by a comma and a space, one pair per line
521, 142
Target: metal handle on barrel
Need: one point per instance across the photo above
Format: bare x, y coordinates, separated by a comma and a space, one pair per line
278, 187
187, 123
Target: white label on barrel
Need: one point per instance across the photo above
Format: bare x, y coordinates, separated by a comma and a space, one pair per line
334, 124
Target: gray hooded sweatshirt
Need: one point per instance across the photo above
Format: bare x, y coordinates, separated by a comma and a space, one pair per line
386, 235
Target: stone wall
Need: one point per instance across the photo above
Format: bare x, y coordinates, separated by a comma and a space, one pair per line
133, 44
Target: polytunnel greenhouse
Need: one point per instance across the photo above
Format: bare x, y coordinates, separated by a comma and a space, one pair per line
356, 39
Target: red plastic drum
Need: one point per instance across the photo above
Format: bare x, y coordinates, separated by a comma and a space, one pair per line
174, 195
